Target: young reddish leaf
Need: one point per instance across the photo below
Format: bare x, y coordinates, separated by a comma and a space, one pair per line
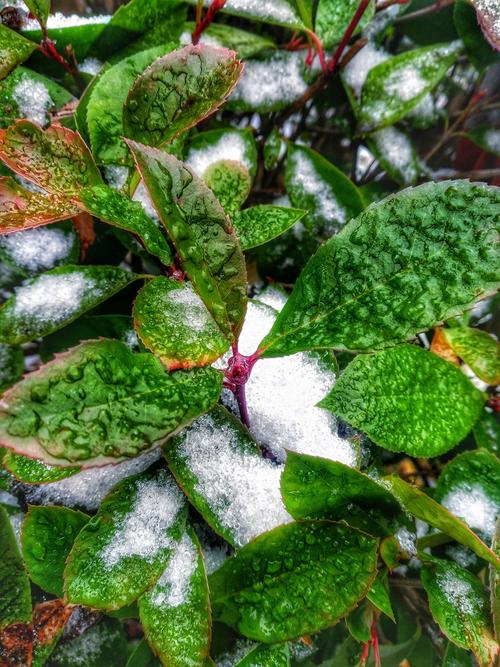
294, 580
49, 619
14, 49
56, 159
23, 209
99, 403
207, 246
15, 591
174, 323
488, 14
479, 351
16, 645
84, 225
178, 91
175, 613
441, 347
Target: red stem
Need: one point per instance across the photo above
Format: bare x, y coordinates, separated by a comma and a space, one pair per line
202, 25
348, 34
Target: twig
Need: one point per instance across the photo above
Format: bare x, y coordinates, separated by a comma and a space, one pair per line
473, 174
436, 7
202, 25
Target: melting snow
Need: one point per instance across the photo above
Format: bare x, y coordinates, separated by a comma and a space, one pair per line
356, 70
230, 146
193, 313
142, 196
143, 530
458, 592
395, 147
33, 100
116, 175
470, 503
59, 20
37, 249
492, 140
90, 66
172, 588
273, 10
406, 541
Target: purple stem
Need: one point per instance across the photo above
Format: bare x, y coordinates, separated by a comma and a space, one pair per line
241, 399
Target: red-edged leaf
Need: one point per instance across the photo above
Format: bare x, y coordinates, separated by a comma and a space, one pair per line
16, 646
488, 14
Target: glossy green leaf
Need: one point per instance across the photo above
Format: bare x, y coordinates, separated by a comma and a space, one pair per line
228, 143
457, 657
14, 49
278, 12
488, 16
459, 604
207, 246
294, 580
80, 115
103, 643
15, 595
478, 50
11, 365
425, 508
39, 8
396, 154
52, 299
395, 86
143, 656
118, 210
333, 17
175, 613
56, 159
174, 323
487, 432
104, 110
47, 536
378, 595
479, 351
223, 473
32, 471
260, 224
22, 209
414, 259
316, 488
495, 584
267, 656
123, 550
15, 99
316, 185
246, 44
486, 138
272, 149
407, 399
230, 182
469, 487
178, 91
99, 403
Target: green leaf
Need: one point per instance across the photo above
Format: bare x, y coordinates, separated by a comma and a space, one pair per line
207, 246
104, 643
394, 87
487, 432
469, 487
104, 110
223, 473
396, 154
459, 604
334, 16
178, 91
230, 182
118, 210
32, 471
479, 52
272, 149
175, 613
123, 550
15, 596
406, 263
495, 584
457, 657
246, 44
56, 159
260, 224
11, 365
22, 209
425, 508
407, 399
99, 403
52, 299
173, 322
47, 536
227, 143
316, 185
267, 656
294, 580
278, 12
14, 49
479, 351
80, 114
316, 488
142, 656
378, 595
16, 96
486, 138
39, 8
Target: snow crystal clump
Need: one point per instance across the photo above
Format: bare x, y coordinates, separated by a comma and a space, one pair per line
193, 315
59, 20
87, 489
282, 394
33, 100
280, 11
116, 175
406, 541
90, 66
276, 80
470, 503
53, 298
230, 146
142, 196
242, 489
310, 184
37, 249
458, 592
172, 588
356, 70
143, 531
396, 148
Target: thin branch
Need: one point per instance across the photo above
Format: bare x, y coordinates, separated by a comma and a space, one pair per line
431, 9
